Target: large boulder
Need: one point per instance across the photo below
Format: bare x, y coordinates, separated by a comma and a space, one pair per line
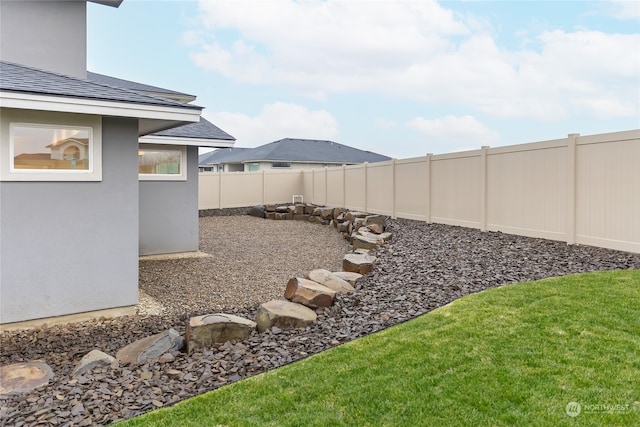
284, 314
375, 219
309, 293
330, 280
204, 331
348, 276
150, 348
93, 359
358, 263
24, 377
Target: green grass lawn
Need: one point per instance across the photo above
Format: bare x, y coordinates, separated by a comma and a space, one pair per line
515, 355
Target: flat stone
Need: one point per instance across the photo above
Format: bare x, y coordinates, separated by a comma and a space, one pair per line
93, 359
284, 315
204, 331
343, 226
271, 215
302, 217
309, 293
358, 263
330, 280
348, 276
365, 242
270, 208
298, 210
282, 209
352, 215
308, 209
150, 348
24, 377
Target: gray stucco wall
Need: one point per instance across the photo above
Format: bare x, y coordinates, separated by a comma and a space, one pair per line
45, 34
169, 212
71, 247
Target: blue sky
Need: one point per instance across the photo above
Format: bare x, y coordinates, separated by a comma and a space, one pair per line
401, 78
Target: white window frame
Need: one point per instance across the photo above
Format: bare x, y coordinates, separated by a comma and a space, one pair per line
182, 176
35, 119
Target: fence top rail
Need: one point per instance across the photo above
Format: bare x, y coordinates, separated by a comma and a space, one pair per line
530, 146
459, 155
609, 137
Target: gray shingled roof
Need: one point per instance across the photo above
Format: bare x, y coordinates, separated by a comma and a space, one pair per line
127, 84
222, 155
203, 129
22, 79
294, 150
312, 150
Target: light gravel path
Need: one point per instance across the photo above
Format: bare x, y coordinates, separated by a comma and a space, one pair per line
252, 260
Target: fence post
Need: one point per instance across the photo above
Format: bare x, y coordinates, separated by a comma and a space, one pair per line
366, 183
393, 188
313, 186
326, 185
344, 186
428, 188
264, 187
483, 187
220, 191
571, 190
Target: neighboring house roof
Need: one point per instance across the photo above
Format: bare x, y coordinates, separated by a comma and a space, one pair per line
28, 80
222, 155
138, 87
312, 151
293, 150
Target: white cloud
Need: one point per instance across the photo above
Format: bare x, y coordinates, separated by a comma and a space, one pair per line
625, 9
419, 51
453, 133
276, 121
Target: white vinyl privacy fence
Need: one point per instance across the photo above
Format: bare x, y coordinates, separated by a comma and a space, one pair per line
579, 189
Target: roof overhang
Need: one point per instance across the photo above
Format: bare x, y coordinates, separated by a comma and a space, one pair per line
152, 118
197, 142
112, 3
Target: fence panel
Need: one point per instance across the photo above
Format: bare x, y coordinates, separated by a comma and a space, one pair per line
412, 189
335, 186
608, 190
456, 189
280, 186
238, 189
356, 191
380, 183
209, 190
527, 191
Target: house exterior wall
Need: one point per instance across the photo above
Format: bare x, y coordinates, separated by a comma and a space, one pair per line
49, 35
169, 212
72, 247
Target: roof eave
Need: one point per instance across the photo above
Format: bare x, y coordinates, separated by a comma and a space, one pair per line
152, 118
195, 142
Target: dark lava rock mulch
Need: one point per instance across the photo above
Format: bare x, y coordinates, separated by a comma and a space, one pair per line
425, 266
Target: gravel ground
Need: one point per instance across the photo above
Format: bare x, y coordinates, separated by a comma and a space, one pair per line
425, 266
252, 261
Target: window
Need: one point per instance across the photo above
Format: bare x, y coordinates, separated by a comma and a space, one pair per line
159, 162
42, 146
253, 167
50, 148
281, 164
